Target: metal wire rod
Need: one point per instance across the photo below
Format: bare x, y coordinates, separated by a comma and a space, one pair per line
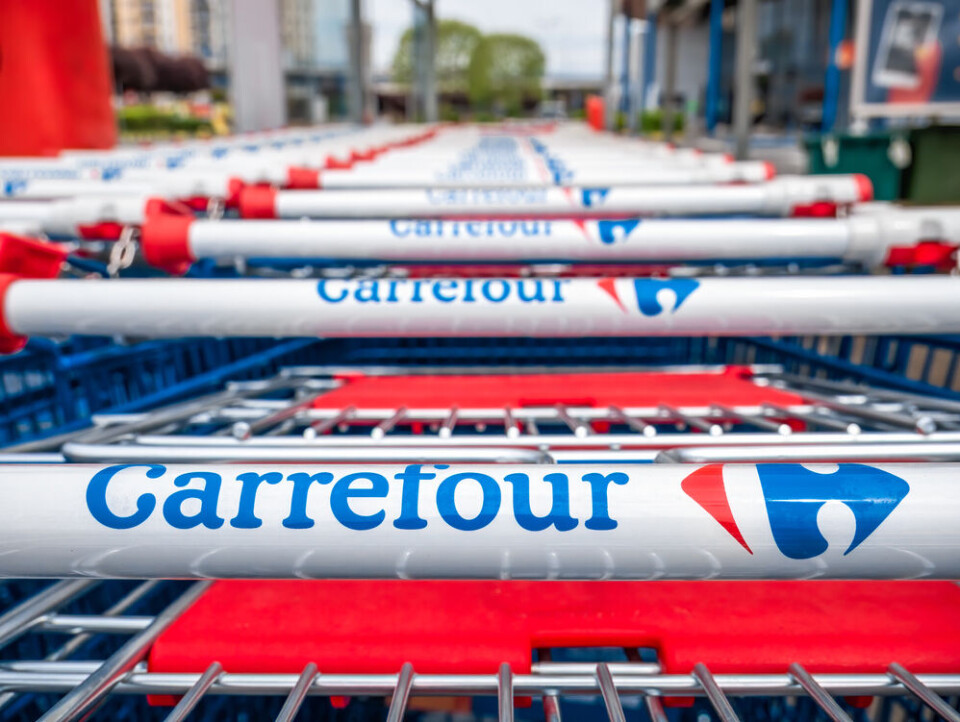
192, 698
401, 694
758, 421
655, 709
99, 684
298, 694
24, 616
817, 419
318, 428
579, 429
635, 424
385, 426
139, 681
92, 623
669, 412
926, 695
449, 423
716, 696
819, 695
611, 698
505, 693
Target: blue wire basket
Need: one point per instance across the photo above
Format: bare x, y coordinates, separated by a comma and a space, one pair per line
52, 388
916, 364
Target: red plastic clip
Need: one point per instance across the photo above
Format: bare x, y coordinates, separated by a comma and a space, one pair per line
817, 209
165, 240
937, 254
337, 164
258, 202
23, 258
102, 231
299, 178
10, 342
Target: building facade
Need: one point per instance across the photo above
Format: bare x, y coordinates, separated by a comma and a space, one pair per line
179, 27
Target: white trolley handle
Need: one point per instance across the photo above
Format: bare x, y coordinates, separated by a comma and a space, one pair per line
419, 521
496, 307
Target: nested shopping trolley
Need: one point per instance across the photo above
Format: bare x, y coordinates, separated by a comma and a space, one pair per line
725, 514
513, 644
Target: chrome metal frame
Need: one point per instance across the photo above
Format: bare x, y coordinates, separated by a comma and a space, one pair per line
86, 684
273, 420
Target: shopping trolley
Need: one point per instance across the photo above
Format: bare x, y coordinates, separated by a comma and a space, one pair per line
427, 648
492, 307
197, 644
917, 237
819, 195
522, 415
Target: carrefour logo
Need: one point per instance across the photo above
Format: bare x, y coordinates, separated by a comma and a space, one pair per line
616, 231
654, 296
417, 497
355, 500
14, 187
451, 228
794, 494
444, 290
593, 197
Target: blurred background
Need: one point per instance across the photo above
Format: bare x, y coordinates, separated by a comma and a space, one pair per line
489, 60
810, 85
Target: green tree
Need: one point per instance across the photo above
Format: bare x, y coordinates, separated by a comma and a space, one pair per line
505, 73
456, 42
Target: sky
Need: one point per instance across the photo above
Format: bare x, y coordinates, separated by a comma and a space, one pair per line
570, 32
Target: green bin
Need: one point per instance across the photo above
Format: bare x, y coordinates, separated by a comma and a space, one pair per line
934, 176
883, 157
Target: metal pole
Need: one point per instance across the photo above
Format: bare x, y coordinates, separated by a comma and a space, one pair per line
429, 89
715, 65
634, 48
416, 54
357, 99
625, 65
670, 80
609, 110
858, 81
636, 96
649, 58
256, 74
831, 95
743, 85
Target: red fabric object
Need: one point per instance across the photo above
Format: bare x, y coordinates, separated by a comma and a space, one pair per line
731, 387
54, 78
30, 258
595, 112
471, 627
